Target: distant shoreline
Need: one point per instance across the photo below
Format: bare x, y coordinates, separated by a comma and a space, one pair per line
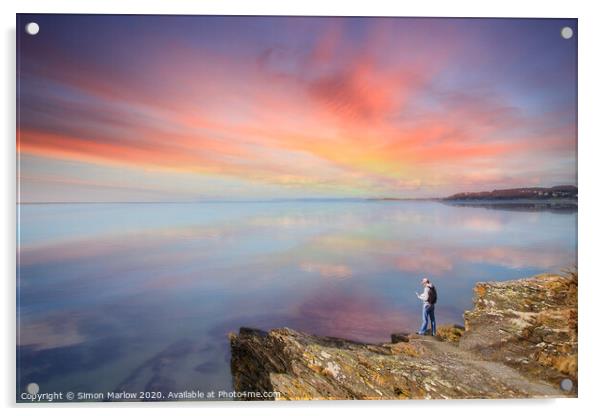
560, 192
557, 201
566, 201
566, 194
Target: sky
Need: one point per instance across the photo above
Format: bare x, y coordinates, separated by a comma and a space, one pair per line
189, 108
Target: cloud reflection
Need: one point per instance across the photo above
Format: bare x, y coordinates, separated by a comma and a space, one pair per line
339, 271
331, 312
116, 295
54, 331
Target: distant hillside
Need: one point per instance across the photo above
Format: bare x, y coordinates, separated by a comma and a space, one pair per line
555, 192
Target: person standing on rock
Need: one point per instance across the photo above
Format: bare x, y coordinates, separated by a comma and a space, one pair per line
428, 298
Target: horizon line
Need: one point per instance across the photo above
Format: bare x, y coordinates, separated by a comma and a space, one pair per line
234, 200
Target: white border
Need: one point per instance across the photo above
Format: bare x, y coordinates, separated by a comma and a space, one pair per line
590, 68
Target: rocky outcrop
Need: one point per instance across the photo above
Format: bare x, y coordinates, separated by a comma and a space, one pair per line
529, 324
514, 326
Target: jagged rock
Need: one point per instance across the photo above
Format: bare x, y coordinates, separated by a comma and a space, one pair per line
400, 337
530, 324
450, 333
302, 366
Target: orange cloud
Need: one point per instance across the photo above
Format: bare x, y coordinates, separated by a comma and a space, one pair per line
332, 119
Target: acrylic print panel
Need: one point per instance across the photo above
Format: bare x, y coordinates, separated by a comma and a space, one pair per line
259, 208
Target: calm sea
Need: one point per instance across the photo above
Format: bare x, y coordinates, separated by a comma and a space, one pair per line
141, 297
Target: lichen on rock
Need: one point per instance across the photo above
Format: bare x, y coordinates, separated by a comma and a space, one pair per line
530, 324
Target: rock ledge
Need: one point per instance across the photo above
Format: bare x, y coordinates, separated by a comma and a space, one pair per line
520, 341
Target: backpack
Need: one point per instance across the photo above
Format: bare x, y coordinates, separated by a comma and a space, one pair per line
432, 298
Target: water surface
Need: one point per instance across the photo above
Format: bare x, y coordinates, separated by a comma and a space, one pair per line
141, 296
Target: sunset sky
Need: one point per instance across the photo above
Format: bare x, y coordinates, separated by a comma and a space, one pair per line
187, 108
